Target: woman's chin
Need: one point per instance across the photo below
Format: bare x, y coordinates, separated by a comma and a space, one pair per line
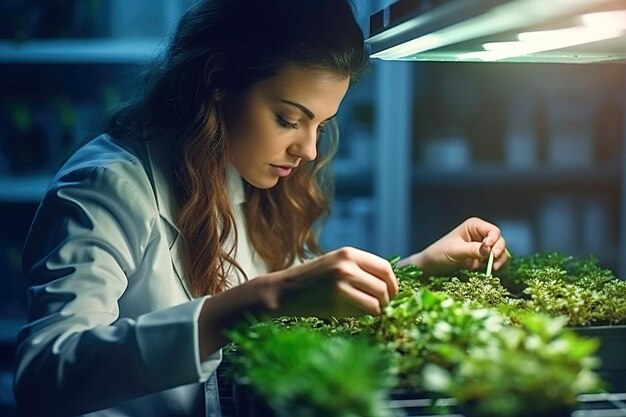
264, 183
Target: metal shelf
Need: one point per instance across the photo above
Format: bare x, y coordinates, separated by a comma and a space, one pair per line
589, 405
9, 329
501, 175
26, 189
81, 51
352, 180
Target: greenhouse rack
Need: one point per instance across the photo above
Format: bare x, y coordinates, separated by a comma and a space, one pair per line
239, 401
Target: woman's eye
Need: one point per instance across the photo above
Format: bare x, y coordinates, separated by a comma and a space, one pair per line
284, 123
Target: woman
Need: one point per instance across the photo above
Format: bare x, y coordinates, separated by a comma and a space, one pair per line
144, 247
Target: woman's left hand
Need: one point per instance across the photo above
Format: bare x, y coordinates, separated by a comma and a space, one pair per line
466, 246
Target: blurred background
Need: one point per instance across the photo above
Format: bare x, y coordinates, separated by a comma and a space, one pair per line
536, 148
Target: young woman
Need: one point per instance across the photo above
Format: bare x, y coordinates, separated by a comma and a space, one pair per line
197, 207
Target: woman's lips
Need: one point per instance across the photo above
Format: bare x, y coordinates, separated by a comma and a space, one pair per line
282, 170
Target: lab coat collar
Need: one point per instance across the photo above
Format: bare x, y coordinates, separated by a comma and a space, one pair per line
159, 156
234, 186
162, 170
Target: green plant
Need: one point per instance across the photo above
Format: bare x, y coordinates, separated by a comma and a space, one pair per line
467, 336
408, 276
539, 360
480, 290
304, 373
549, 283
422, 327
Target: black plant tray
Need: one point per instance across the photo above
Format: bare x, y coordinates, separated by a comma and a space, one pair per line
612, 353
247, 404
241, 401
589, 405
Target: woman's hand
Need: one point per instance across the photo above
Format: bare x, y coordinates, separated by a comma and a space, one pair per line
345, 282
466, 246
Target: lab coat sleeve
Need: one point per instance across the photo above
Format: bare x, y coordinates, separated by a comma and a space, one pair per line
76, 354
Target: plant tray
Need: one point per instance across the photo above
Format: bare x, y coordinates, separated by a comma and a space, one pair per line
589, 405
612, 353
240, 401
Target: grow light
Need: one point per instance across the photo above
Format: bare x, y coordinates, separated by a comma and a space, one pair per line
500, 30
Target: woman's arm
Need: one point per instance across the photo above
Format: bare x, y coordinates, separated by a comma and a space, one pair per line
108, 321
345, 282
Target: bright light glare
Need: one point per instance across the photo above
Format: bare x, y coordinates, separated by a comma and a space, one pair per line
413, 46
504, 46
615, 19
513, 49
597, 27
578, 34
515, 15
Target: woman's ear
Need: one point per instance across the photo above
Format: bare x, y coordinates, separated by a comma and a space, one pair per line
216, 74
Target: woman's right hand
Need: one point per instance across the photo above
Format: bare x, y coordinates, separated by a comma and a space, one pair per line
344, 282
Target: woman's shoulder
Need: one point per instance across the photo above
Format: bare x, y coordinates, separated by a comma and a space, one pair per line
105, 160
106, 151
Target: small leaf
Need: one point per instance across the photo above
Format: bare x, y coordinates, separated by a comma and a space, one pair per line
436, 379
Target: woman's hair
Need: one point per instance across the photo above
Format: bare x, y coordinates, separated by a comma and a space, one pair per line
230, 46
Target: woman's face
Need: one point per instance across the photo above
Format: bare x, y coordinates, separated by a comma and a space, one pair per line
274, 127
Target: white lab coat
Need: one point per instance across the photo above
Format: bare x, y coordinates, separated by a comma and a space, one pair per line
112, 326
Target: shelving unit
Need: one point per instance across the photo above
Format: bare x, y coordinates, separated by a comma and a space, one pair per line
8, 330
354, 206
39, 75
27, 189
80, 51
537, 149
489, 175
47, 82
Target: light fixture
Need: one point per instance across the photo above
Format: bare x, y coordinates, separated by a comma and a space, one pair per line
501, 30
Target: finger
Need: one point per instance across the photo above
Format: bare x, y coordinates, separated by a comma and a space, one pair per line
484, 231
361, 302
378, 267
470, 250
501, 256
484, 249
373, 286
499, 248
492, 236
496, 248
476, 264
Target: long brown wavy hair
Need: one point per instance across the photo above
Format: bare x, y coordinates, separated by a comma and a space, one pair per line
230, 46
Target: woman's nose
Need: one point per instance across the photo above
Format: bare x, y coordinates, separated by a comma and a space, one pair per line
305, 147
